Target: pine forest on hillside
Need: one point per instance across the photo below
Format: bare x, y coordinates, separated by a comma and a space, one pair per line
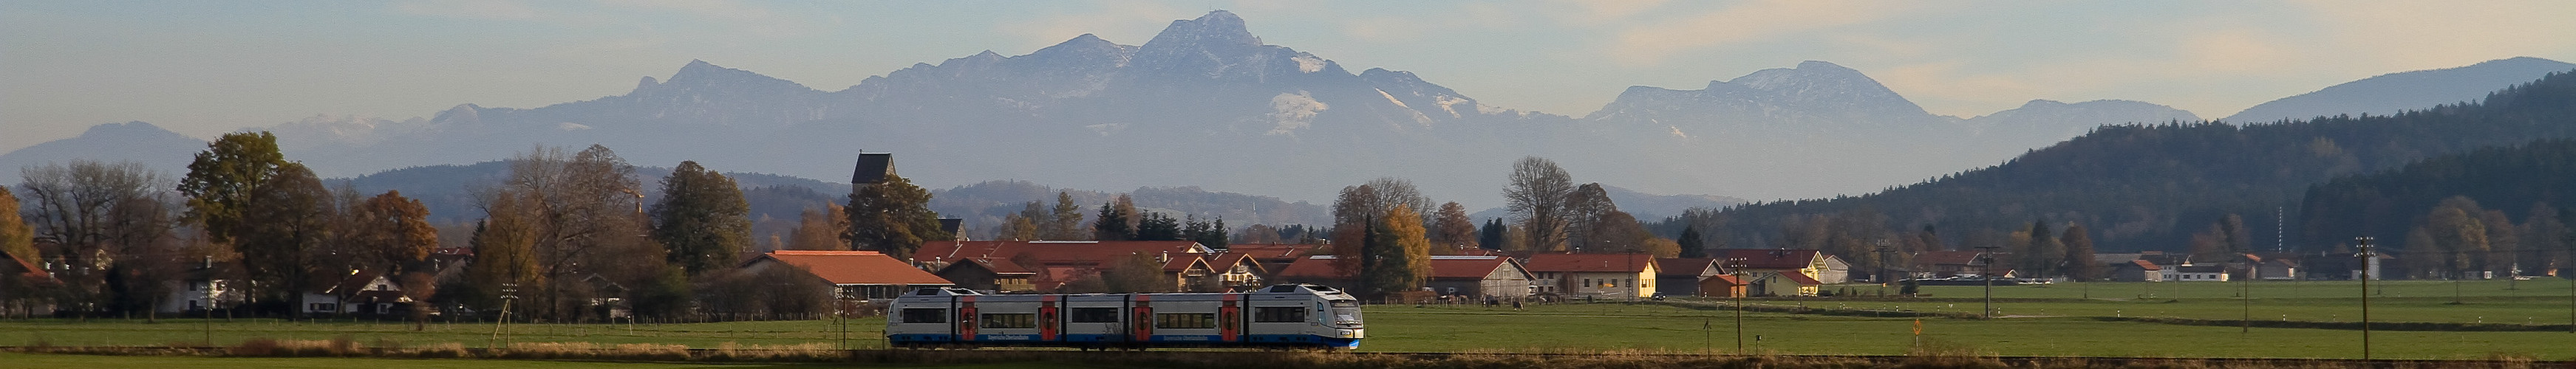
2151, 187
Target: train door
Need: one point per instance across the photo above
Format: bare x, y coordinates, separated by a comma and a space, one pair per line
966, 319
1140, 325
1229, 318
1047, 321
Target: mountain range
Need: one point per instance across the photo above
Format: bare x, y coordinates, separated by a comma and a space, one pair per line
1206, 105
2389, 93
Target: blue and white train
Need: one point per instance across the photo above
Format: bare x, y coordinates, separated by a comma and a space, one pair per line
1280, 316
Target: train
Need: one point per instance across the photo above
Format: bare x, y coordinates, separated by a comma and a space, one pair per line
1285, 316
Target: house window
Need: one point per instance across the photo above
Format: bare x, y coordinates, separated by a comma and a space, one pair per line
1185, 321
1010, 320
325, 306
1278, 314
925, 315
1095, 315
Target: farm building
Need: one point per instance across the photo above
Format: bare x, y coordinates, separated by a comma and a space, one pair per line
2197, 273
2137, 270
1052, 264
1683, 276
1600, 275
1944, 263
1723, 285
1472, 276
858, 274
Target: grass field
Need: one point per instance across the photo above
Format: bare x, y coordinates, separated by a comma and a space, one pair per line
19, 360
2054, 320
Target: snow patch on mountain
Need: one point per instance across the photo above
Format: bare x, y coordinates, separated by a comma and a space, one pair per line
1308, 63
1292, 112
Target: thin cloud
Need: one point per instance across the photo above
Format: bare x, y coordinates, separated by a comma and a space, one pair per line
747, 17
1395, 29
471, 9
2416, 35
1127, 23
1751, 21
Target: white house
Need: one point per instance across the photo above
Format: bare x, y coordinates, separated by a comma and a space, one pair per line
361, 292
2197, 273
197, 291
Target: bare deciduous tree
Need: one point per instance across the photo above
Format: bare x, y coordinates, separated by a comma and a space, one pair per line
1536, 194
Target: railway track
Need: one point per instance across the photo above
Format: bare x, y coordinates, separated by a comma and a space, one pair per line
1239, 355
2095, 360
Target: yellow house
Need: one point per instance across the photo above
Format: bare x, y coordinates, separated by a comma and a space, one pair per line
1814, 264
1601, 275
1781, 283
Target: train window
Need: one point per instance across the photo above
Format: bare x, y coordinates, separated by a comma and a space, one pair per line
1346, 303
1184, 321
925, 315
1283, 288
1010, 321
1095, 315
1278, 314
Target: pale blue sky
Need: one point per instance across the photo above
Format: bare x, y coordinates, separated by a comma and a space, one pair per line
206, 67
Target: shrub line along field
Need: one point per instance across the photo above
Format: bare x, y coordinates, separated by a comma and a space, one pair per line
2118, 320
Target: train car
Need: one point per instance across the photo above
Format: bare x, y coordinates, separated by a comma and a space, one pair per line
1280, 316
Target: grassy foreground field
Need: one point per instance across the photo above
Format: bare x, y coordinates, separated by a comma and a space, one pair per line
19, 360
2056, 320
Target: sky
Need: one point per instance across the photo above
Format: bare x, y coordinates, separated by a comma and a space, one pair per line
203, 68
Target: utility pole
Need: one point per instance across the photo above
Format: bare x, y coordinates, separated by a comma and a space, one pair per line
1883, 253
1735, 266
2368, 257
2245, 294
509, 293
2569, 240
1986, 273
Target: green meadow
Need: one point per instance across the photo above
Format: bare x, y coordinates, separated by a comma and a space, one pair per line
2040, 320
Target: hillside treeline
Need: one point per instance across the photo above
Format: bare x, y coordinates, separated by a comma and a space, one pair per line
2152, 186
2495, 209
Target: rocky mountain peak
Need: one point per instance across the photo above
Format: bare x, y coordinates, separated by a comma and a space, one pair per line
1219, 34
127, 129
1217, 28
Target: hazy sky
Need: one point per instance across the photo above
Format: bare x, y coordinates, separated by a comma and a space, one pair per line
207, 67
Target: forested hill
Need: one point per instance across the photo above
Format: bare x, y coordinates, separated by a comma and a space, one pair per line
2521, 184
2148, 187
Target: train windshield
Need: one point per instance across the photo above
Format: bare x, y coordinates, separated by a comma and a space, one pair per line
1346, 313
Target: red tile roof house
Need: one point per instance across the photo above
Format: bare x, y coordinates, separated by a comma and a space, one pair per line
1476, 277
1599, 275
1052, 264
856, 274
22, 272
1274, 256
989, 274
